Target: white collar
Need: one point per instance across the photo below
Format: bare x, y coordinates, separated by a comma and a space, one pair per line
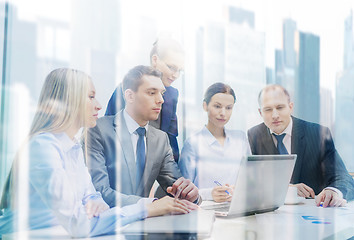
67, 142
287, 130
132, 125
209, 137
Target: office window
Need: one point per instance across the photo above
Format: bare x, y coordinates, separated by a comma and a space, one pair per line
306, 48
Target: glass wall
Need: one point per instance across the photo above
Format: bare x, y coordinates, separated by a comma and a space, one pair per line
4, 165
246, 44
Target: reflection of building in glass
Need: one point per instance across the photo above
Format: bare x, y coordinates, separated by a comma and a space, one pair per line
234, 53
285, 59
307, 86
270, 76
326, 108
297, 68
214, 54
210, 62
53, 49
289, 31
245, 72
22, 47
344, 128
241, 16
20, 87
349, 42
95, 43
344, 114
279, 67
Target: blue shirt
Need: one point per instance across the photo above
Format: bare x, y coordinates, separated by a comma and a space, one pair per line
59, 188
203, 160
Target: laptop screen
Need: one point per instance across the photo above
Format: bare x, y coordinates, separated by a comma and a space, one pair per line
262, 183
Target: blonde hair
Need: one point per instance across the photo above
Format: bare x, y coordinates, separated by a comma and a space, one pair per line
63, 96
61, 104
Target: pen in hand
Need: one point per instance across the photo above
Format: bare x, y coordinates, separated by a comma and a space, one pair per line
219, 184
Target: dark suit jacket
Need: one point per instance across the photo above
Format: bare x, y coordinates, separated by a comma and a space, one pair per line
111, 161
318, 163
168, 113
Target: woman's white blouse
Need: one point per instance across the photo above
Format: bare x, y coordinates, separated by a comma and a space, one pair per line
203, 160
60, 186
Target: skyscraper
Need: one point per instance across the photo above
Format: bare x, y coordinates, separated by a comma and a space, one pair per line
289, 31
344, 128
245, 71
307, 86
270, 77
241, 16
210, 68
234, 53
285, 59
348, 42
297, 68
96, 43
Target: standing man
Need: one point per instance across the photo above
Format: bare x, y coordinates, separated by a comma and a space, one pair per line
166, 56
125, 155
319, 169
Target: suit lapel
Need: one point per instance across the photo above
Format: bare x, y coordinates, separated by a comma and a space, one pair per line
124, 138
298, 146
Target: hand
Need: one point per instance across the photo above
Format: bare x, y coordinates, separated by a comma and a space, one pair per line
94, 207
330, 199
168, 205
219, 193
303, 190
184, 189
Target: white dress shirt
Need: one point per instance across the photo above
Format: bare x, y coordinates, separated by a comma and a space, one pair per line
132, 125
203, 160
287, 138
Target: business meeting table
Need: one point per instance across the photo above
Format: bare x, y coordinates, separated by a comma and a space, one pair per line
303, 220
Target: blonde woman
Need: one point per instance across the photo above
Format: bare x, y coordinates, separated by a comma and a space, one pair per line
211, 157
60, 191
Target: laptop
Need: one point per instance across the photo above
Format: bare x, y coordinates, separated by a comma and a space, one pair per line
261, 186
196, 223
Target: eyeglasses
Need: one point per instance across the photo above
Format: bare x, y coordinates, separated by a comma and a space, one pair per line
173, 69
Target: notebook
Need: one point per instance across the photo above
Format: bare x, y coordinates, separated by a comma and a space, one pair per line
261, 186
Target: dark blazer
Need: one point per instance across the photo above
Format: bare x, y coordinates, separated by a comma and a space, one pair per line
111, 162
169, 122
318, 163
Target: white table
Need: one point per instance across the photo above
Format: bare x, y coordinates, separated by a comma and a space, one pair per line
302, 221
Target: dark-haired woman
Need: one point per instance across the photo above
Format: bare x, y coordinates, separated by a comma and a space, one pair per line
211, 157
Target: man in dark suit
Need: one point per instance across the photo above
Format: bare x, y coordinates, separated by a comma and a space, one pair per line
319, 170
166, 56
125, 155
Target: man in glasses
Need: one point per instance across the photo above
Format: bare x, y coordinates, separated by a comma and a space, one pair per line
166, 56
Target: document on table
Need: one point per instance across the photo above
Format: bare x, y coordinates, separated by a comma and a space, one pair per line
316, 211
317, 222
